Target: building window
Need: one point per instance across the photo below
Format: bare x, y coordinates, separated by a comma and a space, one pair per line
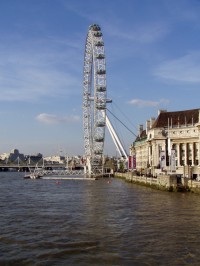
182, 162
174, 147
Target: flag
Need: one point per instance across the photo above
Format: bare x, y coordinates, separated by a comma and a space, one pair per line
173, 160
162, 159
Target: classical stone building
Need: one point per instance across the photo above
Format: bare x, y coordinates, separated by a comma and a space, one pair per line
169, 143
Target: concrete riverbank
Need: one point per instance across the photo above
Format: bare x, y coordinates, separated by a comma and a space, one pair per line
163, 182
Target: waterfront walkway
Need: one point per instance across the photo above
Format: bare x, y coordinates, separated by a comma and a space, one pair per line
163, 182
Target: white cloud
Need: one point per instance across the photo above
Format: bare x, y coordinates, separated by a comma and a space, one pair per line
183, 69
144, 103
32, 83
54, 119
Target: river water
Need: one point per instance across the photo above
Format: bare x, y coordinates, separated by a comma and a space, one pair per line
78, 222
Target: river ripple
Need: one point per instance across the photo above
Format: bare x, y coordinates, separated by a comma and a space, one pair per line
76, 222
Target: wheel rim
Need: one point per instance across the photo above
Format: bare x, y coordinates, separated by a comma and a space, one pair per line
94, 99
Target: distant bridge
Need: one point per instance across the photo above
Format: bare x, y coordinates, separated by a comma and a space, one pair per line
52, 171
26, 167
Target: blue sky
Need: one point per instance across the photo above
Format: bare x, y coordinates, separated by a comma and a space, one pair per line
152, 58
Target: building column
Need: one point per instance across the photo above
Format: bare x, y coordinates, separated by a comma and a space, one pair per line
199, 140
149, 154
186, 154
193, 150
199, 152
178, 155
156, 154
150, 157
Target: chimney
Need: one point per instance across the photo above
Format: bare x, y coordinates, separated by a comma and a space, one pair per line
152, 120
147, 126
161, 111
140, 129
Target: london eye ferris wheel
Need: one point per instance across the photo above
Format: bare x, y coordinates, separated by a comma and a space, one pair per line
94, 100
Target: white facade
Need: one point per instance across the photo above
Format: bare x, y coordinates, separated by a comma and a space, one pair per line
170, 143
54, 159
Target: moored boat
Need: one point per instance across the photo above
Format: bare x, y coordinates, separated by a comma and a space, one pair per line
35, 174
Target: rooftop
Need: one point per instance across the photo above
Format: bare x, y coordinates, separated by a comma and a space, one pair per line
178, 118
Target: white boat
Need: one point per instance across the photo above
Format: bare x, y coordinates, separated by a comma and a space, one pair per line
37, 173
33, 176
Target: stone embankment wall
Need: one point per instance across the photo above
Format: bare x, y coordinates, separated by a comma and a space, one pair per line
193, 185
162, 182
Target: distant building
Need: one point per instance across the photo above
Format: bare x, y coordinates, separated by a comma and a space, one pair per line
54, 159
171, 142
12, 156
34, 158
